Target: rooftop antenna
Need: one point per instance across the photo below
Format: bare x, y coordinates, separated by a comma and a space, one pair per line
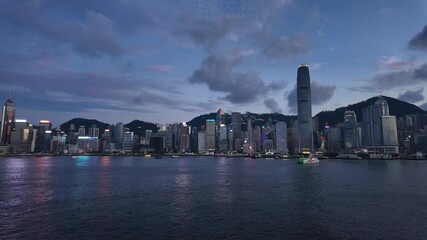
8, 97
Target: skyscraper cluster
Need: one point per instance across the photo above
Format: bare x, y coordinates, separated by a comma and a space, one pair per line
376, 132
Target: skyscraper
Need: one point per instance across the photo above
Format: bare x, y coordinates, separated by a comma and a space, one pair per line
7, 121
210, 135
379, 128
305, 124
236, 127
350, 129
281, 137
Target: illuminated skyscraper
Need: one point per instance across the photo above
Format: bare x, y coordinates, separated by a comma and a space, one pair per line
305, 125
236, 127
210, 135
281, 137
351, 134
7, 121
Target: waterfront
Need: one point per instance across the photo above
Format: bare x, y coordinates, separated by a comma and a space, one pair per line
207, 197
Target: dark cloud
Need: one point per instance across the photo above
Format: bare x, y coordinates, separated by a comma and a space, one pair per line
217, 73
207, 32
271, 104
390, 80
286, 47
319, 95
412, 96
79, 91
92, 34
420, 40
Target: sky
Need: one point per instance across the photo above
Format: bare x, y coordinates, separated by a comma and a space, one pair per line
168, 61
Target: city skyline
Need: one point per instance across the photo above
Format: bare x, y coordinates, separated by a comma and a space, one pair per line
154, 61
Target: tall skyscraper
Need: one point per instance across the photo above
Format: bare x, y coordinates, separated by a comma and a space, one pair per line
236, 127
210, 135
379, 128
350, 129
7, 121
220, 119
305, 124
281, 137
118, 135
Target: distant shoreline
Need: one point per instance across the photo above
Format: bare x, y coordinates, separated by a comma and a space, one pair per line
190, 155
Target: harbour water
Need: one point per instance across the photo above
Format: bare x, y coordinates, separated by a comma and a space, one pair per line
211, 198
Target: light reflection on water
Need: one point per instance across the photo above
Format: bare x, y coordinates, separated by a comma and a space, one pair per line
182, 202
207, 197
223, 193
104, 181
42, 190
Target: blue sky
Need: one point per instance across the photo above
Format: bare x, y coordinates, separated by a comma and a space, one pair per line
169, 61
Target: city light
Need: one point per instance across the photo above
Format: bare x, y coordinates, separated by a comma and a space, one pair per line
21, 120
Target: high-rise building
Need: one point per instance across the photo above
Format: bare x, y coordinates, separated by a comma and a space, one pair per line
94, 131
281, 137
82, 130
305, 124
350, 130
223, 138
250, 138
210, 135
201, 141
7, 121
128, 141
379, 128
118, 135
220, 119
236, 127
44, 135
21, 136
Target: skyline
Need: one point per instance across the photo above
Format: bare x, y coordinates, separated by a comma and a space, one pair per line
129, 60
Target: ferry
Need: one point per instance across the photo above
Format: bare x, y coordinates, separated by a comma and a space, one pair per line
310, 159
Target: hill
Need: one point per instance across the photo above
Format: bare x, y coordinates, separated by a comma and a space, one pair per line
396, 107
139, 127
257, 119
85, 122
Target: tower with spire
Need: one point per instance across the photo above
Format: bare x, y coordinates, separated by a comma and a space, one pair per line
7, 120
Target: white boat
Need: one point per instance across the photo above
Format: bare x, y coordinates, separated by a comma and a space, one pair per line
311, 159
175, 156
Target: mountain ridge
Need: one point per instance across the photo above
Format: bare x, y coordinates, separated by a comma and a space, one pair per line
396, 107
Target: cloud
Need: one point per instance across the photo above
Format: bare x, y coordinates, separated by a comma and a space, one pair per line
160, 68
395, 79
412, 96
217, 73
271, 104
207, 32
92, 35
395, 63
97, 36
419, 41
319, 94
286, 47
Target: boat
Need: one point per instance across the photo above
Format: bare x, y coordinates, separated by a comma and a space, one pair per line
268, 155
348, 156
158, 157
310, 159
147, 155
174, 156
